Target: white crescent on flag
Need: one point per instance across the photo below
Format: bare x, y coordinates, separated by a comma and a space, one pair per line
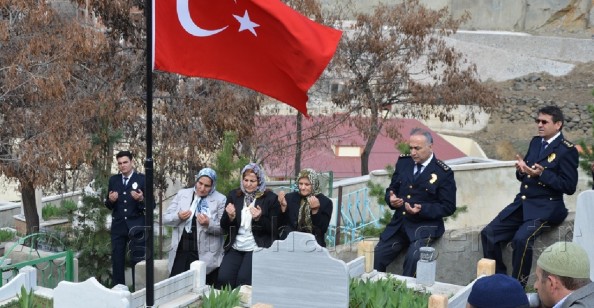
183, 14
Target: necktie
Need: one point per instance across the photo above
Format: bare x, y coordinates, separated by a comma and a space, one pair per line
543, 147
125, 181
418, 172
193, 207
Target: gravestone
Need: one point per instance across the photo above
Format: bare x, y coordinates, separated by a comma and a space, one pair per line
583, 228
90, 294
298, 272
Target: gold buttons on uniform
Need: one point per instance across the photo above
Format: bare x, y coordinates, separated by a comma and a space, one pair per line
407, 196
523, 197
526, 186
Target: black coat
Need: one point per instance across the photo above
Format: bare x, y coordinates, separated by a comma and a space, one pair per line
126, 209
320, 220
265, 230
542, 197
434, 190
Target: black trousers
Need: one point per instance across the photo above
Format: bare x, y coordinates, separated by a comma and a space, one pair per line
387, 250
236, 269
521, 233
124, 243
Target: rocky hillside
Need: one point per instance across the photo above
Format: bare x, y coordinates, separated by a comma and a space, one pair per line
511, 126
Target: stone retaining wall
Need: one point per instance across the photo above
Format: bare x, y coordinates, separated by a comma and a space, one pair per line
516, 109
460, 250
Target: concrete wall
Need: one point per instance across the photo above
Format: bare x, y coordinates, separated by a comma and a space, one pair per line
7, 211
485, 188
510, 15
8, 190
460, 250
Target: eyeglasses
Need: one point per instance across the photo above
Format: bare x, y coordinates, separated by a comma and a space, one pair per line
539, 121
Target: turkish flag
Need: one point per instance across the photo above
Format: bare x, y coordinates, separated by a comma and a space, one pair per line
260, 44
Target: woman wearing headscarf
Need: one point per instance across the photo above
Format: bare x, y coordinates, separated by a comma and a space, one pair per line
249, 221
195, 214
306, 210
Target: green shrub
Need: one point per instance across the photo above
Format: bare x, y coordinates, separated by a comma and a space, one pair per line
28, 300
49, 211
91, 241
384, 293
68, 206
65, 210
459, 210
6, 235
224, 298
375, 231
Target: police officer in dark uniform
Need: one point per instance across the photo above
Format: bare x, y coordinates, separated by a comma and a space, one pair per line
422, 192
548, 171
126, 201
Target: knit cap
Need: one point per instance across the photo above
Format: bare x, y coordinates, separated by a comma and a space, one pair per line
497, 291
565, 259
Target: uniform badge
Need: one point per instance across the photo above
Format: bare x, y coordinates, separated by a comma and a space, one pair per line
433, 178
551, 157
134, 185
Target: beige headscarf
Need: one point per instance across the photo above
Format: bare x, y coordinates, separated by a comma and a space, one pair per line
304, 222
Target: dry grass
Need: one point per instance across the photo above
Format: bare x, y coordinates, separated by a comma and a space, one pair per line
505, 150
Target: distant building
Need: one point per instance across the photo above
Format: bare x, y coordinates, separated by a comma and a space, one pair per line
340, 151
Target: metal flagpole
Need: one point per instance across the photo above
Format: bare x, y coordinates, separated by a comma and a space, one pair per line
148, 164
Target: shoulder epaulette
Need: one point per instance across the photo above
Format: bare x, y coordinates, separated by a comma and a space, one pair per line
404, 155
567, 143
443, 165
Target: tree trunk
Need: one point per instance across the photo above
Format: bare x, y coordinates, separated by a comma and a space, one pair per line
30, 207
298, 145
373, 133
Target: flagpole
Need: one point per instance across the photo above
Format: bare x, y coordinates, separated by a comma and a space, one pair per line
148, 164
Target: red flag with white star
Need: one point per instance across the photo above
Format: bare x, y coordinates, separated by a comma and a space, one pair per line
260, 44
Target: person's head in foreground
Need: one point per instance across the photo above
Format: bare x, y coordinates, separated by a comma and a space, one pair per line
561, 269
497, 291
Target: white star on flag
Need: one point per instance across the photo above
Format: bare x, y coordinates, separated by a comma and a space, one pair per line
246, 23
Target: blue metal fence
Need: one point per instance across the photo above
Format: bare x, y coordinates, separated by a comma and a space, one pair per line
355, 214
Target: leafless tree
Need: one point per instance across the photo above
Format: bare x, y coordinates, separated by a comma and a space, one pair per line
395, 62
53, 95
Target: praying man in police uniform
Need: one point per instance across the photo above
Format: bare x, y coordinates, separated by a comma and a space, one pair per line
422, 192
548, 171
126, 201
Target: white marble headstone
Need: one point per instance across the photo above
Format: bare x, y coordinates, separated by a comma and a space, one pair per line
583, 228
90, 294
297, 272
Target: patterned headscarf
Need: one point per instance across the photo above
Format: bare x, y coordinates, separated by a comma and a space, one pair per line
304, 222
211, 174
314, 179
249, 197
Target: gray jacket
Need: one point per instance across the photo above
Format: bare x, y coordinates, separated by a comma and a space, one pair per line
582, 297
210, 239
